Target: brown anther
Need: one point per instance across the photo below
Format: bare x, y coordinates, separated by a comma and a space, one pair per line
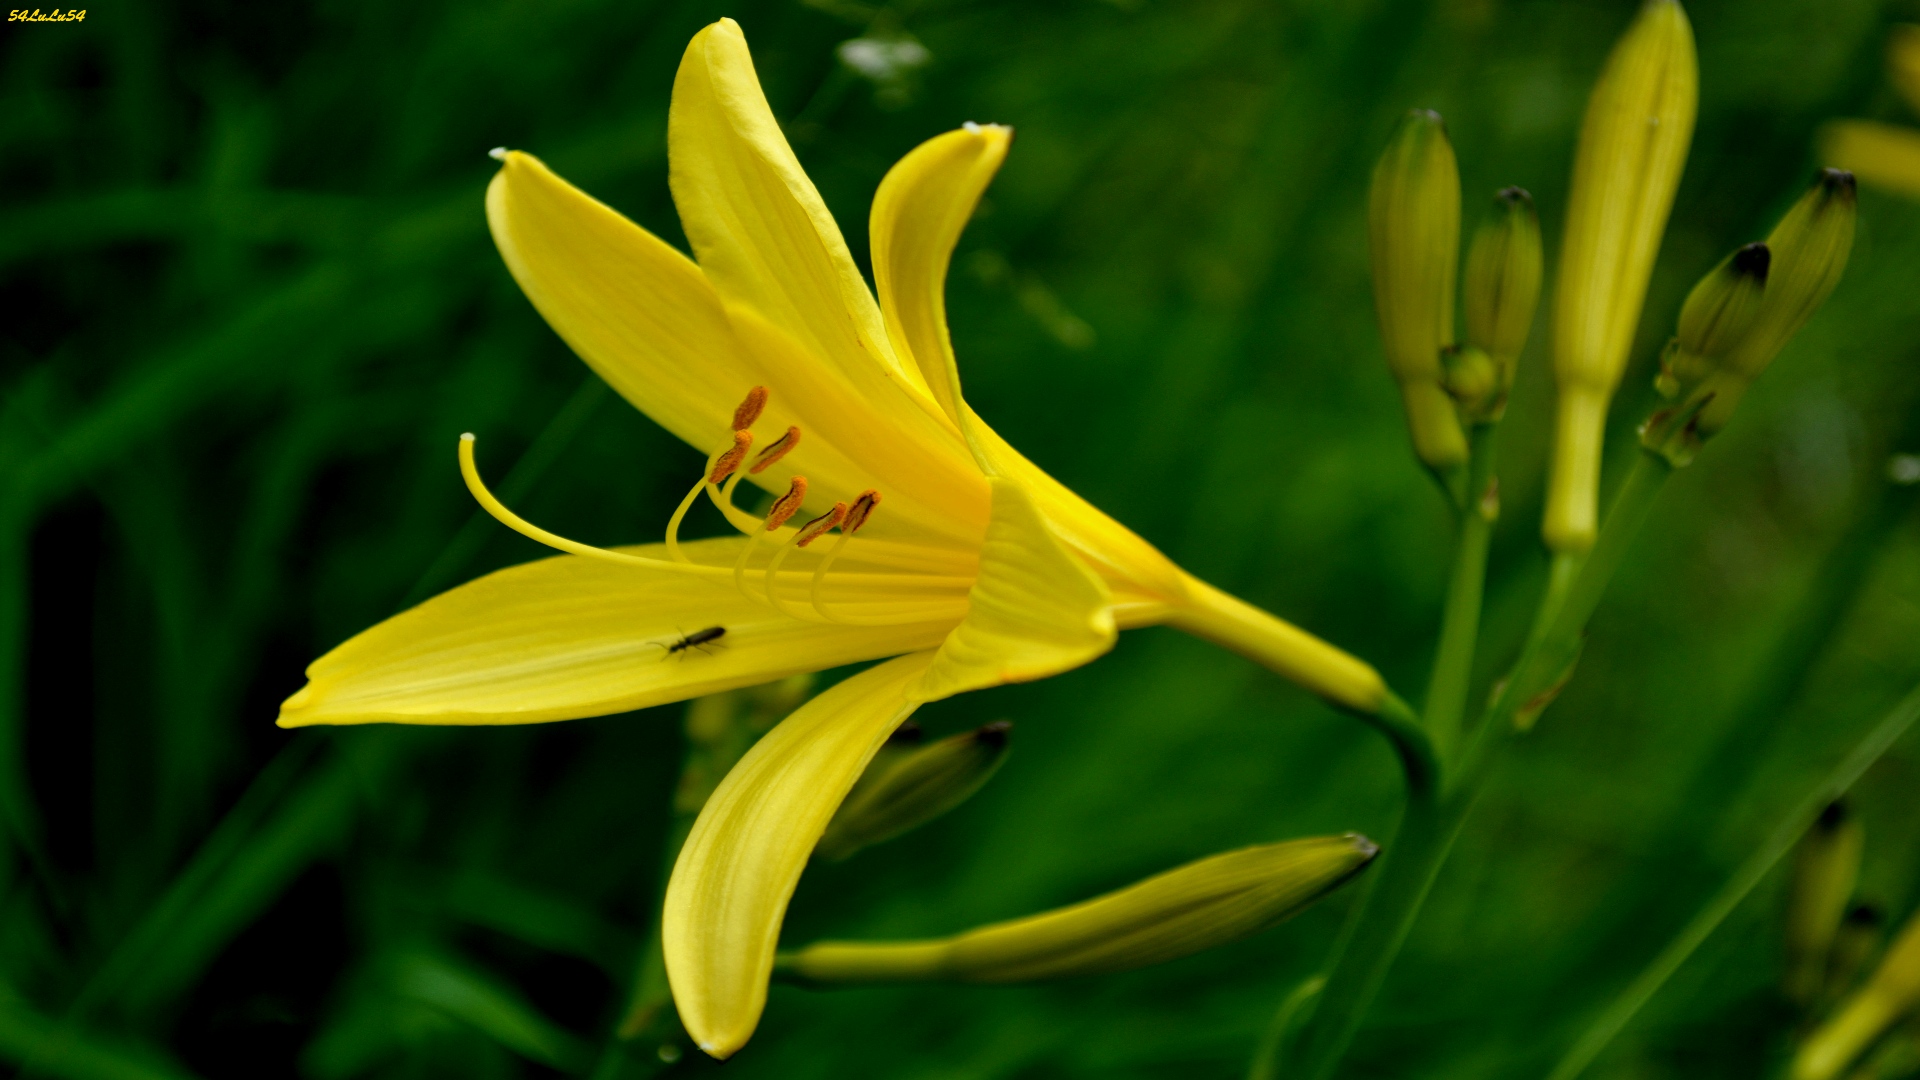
731, 458
781, 447
749, 410
858, 513
821, 526
787, 505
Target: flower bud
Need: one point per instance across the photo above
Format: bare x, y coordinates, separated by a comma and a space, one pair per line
1882, 155
904, 789
1414, 228
1856, 940
1503, 281
1825, 869
1888, 996
1633, 144
1807, 253
1475, 381
1213, 901
1903, 62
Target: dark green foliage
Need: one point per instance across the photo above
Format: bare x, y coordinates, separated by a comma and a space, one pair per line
250, 302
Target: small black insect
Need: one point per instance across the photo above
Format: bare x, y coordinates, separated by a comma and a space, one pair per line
696, 639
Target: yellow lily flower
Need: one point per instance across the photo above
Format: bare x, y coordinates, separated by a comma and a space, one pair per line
953, 552
1883, 154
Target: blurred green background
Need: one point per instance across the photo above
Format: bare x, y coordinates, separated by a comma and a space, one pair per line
250, 301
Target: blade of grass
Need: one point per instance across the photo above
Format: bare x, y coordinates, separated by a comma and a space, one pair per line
1615, 1017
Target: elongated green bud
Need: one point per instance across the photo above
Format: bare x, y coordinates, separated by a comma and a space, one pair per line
1826, 868
1633, 144
1213, 901
1855, 942
1502, 289
1903, 62
913, 787
1414, 227
1712, 369
1888, 996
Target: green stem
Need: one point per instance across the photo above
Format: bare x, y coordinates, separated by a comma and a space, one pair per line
1378, 927
1637, 993
1452, 677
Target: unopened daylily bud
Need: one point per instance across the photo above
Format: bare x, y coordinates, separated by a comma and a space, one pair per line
1712, 370
1474, 380
1633, 144
1414, 228
1889, 996
1718, 313
909, 787
1859, 937
1826, 868
1503, 283
1203, 904
1903, 62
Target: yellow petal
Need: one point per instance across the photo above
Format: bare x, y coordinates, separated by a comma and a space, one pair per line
1879, 154
740, 864
1145, 583
645, 317
572, 636
1034, 611
638, 312
756, 223
918, 214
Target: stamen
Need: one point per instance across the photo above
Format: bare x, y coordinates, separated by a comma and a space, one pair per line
749, 410
772, 576
861, 510
730, 458
680, 513
471, 473
857, 515
723, 501
820, 526
787, 505
820, 574
781, 447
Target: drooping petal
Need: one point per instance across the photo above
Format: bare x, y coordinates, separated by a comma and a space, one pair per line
1034, 611
572, 636
918, 214
756, 223
647, 319
740, 864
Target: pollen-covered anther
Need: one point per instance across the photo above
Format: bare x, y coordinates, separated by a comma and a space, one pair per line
861, 509
730, 458
750, 409
787, 505
821, 526
781, 447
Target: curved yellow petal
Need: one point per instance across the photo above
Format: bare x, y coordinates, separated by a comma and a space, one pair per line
918, 214
756, 223
572, 636
1879, 154
647, 320
740, 864
1034, 611
637, 311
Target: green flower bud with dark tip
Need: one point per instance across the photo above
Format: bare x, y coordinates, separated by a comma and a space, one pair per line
1729, 347
1503, 285
1414, 226
1890, 995
1211, 902
1855, 941
907, 786
1826, 868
